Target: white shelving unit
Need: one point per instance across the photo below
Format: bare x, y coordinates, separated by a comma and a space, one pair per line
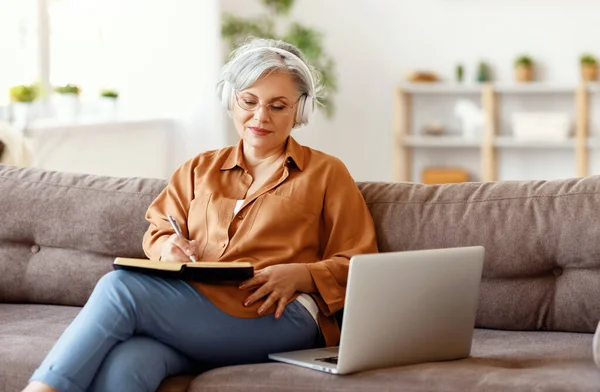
493, 140
441, 141
511, 142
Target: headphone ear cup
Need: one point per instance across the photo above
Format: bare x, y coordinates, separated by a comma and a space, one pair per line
305, 107
227, 95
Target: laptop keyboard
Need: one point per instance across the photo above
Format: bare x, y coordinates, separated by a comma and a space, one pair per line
333, 360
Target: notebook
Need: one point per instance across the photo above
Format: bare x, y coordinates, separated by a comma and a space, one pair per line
203, 271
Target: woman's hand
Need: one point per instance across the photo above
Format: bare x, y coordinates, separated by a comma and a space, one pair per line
178, 250
278, 283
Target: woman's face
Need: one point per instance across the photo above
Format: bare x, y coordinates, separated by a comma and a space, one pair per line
269, 122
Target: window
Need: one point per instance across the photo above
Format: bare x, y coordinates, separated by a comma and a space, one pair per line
19, 62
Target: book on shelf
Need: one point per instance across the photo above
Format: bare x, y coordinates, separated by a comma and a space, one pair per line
223, 272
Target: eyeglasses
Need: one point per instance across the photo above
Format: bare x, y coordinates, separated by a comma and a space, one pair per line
274, 109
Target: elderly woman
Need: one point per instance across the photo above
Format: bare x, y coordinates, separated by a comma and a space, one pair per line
293, 212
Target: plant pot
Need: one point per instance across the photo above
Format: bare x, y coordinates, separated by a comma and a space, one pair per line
66, 107
524, 73
108, 108
589, 72
21, 113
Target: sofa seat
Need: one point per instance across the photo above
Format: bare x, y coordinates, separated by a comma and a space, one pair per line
499, 361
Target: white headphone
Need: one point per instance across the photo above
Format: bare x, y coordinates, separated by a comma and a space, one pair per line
306, 103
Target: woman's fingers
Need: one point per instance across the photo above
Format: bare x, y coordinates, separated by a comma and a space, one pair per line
273, 299
281, 304
186, 247
258, 279
172, 250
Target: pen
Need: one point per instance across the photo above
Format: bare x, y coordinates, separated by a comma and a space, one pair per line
178, 232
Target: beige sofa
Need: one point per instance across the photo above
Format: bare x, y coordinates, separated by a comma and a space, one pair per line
539, 303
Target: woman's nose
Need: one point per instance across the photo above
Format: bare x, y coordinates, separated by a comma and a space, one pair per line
261, 113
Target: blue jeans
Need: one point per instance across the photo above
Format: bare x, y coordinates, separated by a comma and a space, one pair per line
135, 330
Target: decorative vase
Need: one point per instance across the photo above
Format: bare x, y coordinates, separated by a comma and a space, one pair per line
108, 108
66, 107
21, 113
589, 72
524, 73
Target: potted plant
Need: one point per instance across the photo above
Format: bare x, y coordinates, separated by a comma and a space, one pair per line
66, 102
22, 97
275, 23
108, 103
483, 72
589, 68
524, 69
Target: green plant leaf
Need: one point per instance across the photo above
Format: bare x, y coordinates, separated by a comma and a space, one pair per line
236, 30
524, 61
68, 89
24, 93
280, 7
108, 93
308, 40
588, 59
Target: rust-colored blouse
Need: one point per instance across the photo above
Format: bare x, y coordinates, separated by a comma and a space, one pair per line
310, 211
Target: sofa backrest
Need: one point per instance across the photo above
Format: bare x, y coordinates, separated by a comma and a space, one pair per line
541, 239
59, 233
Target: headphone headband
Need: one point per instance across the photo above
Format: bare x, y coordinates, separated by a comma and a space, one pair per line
306, 103
289, 54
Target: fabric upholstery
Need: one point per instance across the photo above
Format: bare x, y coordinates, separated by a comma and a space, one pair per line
542, 255
28, 332
60, 233
596, 346
499, 361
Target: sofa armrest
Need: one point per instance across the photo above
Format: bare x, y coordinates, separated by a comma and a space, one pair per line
596, 346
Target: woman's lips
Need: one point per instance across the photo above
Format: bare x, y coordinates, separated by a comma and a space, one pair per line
259, 131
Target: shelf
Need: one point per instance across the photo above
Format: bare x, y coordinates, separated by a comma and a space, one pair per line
511, 142
94, 124
535, 88
500, 88
440, 88
440, 141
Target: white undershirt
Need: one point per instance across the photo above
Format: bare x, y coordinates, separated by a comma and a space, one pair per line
304, 299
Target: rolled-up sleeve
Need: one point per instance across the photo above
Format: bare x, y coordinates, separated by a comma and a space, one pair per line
348, 230
174, 200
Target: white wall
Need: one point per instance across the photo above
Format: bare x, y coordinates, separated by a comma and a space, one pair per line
171, 66
375, 42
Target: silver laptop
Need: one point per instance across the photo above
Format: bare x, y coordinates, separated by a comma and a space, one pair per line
403, 308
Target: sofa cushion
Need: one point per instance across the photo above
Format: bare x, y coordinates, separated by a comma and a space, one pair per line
60, 232
541, 270
499, 361
28, 332
542, 253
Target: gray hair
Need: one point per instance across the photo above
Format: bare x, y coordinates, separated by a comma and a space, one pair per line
244, 69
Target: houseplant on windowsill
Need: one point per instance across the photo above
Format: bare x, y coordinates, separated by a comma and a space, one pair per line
589, 68
22, 98
66, 102
108, 104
